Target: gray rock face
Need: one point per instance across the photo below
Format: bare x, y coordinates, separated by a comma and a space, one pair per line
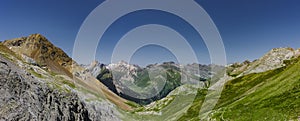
25, 97
28, 60
94, 68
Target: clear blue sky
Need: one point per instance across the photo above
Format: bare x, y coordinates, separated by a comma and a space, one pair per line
248, 28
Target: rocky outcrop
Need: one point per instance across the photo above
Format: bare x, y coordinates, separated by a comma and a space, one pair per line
94, 68
271, 60
54, 93
23, 97
26, 97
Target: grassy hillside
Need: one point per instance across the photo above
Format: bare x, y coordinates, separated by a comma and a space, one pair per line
169, 108
271, 95
7, 52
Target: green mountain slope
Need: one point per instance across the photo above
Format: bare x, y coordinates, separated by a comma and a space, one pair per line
271, 95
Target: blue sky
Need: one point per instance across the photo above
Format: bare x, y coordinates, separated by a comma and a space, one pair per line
248, 28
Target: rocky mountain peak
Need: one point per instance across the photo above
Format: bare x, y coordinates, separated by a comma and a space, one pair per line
94, 68
123, 65
273, 59
33, 38
42, 51
276, 56
95, 63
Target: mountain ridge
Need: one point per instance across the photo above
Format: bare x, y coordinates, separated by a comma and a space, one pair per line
270, 80
271, 60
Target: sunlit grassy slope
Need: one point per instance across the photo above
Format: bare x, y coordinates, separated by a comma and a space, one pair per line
271, 95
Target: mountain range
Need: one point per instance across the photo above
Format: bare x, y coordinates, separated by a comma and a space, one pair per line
159, 79
38, 81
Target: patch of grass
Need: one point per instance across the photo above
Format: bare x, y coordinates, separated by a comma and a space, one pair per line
192, 113
70, 84
163, 110
52, 73
35, 73
58, 87
133, 104
6, 52
235, 89
271, 95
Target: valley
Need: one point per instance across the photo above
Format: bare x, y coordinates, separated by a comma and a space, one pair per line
41, 82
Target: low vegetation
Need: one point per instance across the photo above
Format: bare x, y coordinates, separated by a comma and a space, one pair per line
271, 95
